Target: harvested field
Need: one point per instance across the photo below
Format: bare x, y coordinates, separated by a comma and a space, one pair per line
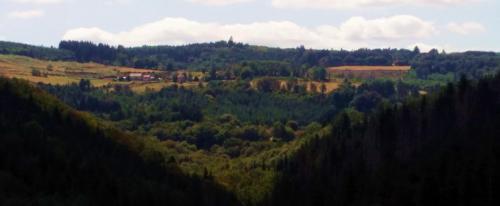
368, 72
61, 73
58, 72
137, 87
371, 68
331, 85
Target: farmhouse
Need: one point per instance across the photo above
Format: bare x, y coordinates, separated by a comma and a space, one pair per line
148, 77
369, 72
135, 76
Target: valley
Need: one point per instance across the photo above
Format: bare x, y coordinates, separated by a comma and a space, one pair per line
254, 131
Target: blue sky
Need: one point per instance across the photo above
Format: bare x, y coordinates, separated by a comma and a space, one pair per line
453, 25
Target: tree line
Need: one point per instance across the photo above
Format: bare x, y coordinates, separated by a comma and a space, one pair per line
439, 149
247, 61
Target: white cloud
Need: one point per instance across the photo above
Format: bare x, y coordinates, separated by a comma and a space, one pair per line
38, 1
390, 28
28, 14
354, 33
351, 4
466, 28
219, 2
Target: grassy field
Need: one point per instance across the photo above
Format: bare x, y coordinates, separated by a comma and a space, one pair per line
368, 72
141, 87
22, 66
331, 85
60, 73
371, 68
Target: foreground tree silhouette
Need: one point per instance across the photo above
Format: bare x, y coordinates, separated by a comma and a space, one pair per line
53, 155
435, 150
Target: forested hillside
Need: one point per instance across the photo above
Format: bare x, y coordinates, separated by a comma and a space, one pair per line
229, 130
243, 60
51, 154
436, 150
249, 103
225, 53
235, 124
38, 52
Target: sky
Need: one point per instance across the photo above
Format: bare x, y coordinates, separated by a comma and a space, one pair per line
450, 25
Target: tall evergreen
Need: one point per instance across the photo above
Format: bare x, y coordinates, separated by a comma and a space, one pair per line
51, 154
436, 150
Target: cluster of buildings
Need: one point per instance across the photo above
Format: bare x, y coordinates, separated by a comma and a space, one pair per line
179, 77
136, 76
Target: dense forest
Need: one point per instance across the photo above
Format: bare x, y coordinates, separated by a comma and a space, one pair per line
411, 150
440, 149
38, 52
173, 109
222, 54
259, 128
53, 155
247, 61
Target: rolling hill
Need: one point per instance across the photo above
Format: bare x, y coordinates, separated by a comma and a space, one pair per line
51, 154
59, 72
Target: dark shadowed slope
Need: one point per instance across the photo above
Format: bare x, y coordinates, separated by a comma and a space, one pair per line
53, 155
439, 150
